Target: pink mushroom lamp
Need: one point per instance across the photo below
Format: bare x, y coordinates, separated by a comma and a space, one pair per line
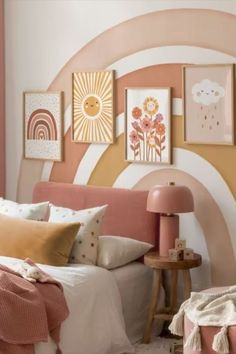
167, 200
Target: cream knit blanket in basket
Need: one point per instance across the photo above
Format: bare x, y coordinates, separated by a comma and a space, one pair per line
207, 309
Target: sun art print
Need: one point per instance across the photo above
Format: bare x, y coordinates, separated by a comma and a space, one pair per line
93, 118
148, 125
43, 125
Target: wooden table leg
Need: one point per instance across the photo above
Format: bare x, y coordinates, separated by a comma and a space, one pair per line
187, 283
173, 290
156, 285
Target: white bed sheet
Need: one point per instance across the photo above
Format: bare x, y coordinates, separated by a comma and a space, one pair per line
95, 324
135, 284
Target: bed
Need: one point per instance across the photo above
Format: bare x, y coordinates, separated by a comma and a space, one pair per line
107, 308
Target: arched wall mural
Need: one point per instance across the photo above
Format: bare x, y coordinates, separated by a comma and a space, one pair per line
155, 58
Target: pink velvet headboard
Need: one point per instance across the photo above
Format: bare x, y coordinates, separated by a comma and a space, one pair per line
126, 214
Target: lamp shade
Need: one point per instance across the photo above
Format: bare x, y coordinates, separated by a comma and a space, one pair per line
170, 199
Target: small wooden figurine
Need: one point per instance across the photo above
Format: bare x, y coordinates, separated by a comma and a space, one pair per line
175, 255
180, 244
180, 252
188, 253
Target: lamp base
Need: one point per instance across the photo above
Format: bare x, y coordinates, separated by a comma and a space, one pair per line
169, 231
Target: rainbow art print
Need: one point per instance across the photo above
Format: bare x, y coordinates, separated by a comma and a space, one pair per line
43, 125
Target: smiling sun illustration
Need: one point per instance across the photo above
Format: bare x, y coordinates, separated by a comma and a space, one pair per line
93, 107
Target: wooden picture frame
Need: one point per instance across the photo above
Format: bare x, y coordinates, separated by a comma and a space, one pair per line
148, 124
208, 104
43, 125
93, 107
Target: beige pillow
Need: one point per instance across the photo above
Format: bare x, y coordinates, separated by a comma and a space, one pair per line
41, 241
36, 211
116, 251
84, 249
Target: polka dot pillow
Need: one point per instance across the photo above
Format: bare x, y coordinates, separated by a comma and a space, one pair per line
37, 211
85, 247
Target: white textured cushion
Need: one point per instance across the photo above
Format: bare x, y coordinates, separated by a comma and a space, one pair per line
115, 251
85, 247
37, 211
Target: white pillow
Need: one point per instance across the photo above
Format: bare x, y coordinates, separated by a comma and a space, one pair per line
115, 251
37, 211
85, 247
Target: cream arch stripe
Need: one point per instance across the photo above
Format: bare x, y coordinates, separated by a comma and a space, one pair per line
216, 232
190, 228
198, 20
47, 168
95, 151
48, 165
221, 160
166, 75
137, 61
67, 119
169, 55
193, 164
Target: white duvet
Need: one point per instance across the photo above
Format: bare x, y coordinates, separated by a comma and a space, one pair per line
95, 324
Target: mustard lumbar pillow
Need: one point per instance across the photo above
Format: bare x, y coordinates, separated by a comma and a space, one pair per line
43, 242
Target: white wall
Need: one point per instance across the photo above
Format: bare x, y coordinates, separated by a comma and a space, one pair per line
42, 35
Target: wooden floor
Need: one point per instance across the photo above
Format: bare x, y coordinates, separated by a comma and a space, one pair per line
177, 349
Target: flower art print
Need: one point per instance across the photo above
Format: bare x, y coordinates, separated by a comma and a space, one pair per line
148, 125
209, 104
43, 126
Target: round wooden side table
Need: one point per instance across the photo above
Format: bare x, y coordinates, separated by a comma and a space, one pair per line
159, 264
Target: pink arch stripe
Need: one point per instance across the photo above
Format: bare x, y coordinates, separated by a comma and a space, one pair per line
168, 75
190, 27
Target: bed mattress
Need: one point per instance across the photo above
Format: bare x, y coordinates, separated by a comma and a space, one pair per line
107, 308
95, 324
135, 284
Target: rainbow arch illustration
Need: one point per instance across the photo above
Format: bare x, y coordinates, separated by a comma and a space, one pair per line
41, 126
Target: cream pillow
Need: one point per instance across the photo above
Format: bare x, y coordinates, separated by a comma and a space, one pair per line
43, 242
84, 249
115, 251
36, 211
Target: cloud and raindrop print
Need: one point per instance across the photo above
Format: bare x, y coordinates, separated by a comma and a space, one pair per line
208, 94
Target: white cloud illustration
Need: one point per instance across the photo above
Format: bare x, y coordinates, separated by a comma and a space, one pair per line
207, 92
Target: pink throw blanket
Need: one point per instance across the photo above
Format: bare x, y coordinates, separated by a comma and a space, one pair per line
29, 312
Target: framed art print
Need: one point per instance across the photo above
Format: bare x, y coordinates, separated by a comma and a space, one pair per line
148, 128
93, 107
42, 120
208, 92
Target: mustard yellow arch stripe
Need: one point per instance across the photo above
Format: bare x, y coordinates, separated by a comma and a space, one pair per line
193, 29
110, 165
221, 157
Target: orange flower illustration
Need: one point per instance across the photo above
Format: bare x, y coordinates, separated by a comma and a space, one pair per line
134, 138
146, 124
136, 112
161, 129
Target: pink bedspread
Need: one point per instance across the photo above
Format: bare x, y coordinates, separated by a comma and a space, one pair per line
29, 312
